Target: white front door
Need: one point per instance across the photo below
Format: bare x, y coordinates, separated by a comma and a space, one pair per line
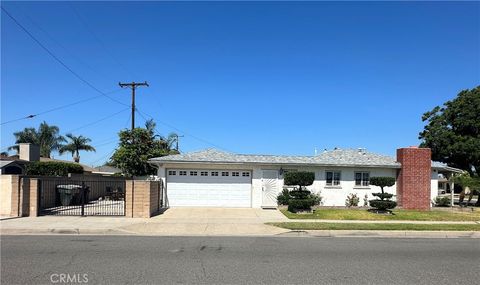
269, 188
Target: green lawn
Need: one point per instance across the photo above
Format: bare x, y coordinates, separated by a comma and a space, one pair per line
403, 215
374, 226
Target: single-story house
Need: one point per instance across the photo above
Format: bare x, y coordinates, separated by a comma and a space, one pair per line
106, 170
27, 153
12, 166
213, 178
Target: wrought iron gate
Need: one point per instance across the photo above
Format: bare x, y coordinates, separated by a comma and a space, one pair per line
69, 197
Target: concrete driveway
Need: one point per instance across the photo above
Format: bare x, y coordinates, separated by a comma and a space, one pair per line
211, 221
220, 216
173, 222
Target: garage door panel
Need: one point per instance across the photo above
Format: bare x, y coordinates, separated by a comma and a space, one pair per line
213, 191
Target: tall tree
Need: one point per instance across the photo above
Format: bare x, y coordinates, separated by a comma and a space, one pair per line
75, 145
453, 131
136, 147
47, 137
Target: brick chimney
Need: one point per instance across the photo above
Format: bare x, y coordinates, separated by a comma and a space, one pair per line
29, 152
414, 178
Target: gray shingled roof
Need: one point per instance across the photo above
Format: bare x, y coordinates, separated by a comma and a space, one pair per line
338, 157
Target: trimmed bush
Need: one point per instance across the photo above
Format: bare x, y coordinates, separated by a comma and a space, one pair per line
444, 201
383, 196
283, 198
352, 200
382, 181
384, 203
300, 199
52, 168
299, 178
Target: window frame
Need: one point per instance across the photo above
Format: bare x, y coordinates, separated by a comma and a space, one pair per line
225, 173
333, 183
213, 173
362, 179
172, 173
245, 173
235, 173
182, 173
203, 173
193, 173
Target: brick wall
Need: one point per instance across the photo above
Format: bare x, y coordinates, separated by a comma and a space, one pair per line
142, 198
413, 181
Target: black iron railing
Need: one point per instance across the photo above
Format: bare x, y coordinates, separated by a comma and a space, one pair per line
72, 197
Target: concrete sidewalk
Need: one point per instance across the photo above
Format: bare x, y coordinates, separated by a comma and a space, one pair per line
174, 222
199, 222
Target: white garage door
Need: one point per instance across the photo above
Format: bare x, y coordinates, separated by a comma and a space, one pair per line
209, 188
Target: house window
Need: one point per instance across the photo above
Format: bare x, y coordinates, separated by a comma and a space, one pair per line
193, 173
362, 179
245, 174
204, 173
235, 173
224, 173
172, 172
182, 172
333, 178
214, 173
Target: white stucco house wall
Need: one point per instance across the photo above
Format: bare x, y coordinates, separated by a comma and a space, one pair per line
213, 178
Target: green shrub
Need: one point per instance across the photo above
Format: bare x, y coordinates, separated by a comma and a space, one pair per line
52, 168
295, 205
299, 194
383, 205
383, 196
283, 198
382, 181
442, 201
299, 178
352, 200
317, 199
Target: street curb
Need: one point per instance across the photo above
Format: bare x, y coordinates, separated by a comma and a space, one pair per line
292, 233
383, 234
64, 232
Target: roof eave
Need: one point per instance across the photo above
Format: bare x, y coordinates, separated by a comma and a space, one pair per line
152, 161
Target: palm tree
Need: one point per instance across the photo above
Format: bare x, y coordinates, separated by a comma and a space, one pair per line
75, 145
47, 137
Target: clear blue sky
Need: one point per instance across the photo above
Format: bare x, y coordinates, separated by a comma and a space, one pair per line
250, 77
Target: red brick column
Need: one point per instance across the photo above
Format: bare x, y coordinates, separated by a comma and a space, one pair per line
414, 178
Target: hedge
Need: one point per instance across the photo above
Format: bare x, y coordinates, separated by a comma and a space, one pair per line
53, 168
300, 178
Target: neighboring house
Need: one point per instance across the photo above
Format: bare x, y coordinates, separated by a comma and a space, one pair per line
106, 170
12, 166
213, 178
16, 164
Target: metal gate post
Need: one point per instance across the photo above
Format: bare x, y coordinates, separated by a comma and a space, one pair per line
82, 198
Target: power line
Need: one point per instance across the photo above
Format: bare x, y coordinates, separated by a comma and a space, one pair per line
59, 60
59, 107
97, 121
179, 130
72, 54
98, 39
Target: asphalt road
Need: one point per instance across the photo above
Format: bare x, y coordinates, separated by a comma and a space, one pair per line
233, 260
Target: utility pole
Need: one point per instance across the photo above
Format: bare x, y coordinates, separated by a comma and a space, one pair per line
176, 140
133, 86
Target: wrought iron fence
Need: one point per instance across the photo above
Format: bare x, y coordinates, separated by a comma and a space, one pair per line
64, 196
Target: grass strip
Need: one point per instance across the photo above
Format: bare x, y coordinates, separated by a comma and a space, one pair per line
398, 215
376, 226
